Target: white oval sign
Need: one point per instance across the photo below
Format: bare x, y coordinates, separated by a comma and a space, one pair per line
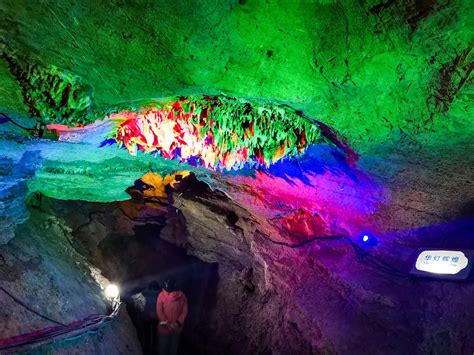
441, 261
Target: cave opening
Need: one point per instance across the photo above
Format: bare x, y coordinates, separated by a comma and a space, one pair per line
129, 242
144, 262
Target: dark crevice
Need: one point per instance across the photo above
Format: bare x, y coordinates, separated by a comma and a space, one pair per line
381, 6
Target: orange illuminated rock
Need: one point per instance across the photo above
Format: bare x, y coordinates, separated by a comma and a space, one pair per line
158, 185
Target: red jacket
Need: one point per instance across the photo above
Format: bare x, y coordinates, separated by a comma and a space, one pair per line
171, 307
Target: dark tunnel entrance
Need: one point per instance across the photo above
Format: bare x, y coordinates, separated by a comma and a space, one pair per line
146, 239
137, 262
125, 241
159, 261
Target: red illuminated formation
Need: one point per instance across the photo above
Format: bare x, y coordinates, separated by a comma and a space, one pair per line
218, 133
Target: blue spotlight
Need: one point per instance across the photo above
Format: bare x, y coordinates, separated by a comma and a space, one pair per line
368, 239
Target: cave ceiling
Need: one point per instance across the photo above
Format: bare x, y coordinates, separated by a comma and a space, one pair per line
369, 69
279, 99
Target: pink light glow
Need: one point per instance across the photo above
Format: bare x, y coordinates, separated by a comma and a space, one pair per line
328, 203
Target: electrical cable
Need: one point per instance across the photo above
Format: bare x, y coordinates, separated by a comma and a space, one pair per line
29, 308
365, 257
361, 254
374, 261
88, 325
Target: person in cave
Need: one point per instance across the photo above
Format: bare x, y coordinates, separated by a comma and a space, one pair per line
150, 318
172, 310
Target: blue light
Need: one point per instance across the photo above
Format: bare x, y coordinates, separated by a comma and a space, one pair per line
367, 239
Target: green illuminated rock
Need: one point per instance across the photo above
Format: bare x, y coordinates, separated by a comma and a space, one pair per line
374, 71
383, 74
51, 94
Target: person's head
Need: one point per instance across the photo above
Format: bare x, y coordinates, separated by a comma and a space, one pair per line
154, 285
170, 284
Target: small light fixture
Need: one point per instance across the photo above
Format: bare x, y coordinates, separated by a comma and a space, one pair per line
367, 239
112, 292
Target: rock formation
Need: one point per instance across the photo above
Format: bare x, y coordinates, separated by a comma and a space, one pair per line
270, 253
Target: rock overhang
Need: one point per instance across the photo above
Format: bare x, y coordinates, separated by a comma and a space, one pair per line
375, 72
369, 73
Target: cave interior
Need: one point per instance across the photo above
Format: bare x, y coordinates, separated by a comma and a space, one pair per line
302, 169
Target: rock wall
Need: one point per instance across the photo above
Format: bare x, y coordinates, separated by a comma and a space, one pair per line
273, 292
40, 267
324, 295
